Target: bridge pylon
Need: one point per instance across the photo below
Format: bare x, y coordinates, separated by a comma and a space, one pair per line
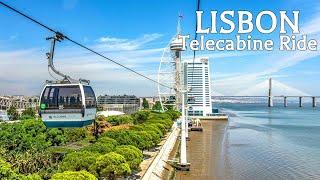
270, 100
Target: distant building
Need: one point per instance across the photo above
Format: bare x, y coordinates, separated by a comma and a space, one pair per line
124, 103
197, 78
4, 116
109, 113
18, 101
151, 100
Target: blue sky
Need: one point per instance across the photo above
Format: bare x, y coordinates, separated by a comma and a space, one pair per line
135, 33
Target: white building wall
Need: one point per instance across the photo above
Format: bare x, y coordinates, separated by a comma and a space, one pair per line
200, 86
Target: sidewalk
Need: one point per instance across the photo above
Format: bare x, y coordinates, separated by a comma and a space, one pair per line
157, 166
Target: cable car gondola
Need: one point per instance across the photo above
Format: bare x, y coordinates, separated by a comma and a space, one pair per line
66, 103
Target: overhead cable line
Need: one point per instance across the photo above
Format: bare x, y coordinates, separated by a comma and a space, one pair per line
79, 44
195, 38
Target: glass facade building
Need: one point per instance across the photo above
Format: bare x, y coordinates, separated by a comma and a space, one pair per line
197, 78
124, 103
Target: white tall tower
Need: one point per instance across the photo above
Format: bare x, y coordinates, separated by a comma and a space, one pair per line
176, 47
197, 77
171, 64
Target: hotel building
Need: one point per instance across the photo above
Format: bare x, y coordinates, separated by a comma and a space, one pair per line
197, 78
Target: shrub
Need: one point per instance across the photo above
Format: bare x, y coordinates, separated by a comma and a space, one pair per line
132, 155
174, 114
108, 140
140, 117
32, 135
77, 161
130, 137
31, 177
157, 106
60, 151
117, 120
121, 136
6, 171
157, 127
145, 103
159, 115
155, 137
145, 127
145, 140
166, 123
112, 165
26, 135
56, 137
74, 175
31, 112
31, 162
75, 134
25, 117
13, 113
99, 147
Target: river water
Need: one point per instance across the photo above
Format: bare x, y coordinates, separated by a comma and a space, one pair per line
257, 143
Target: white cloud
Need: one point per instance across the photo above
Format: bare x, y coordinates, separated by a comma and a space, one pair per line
236, 83
113, 44
231, 84
111, 40
214, 56
25, 71
312, 27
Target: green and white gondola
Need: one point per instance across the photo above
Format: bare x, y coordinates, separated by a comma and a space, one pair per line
67, 105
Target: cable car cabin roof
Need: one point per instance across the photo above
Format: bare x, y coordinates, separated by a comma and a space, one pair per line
66, 84
67, 105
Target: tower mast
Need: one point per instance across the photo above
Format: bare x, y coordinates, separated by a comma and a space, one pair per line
176, 47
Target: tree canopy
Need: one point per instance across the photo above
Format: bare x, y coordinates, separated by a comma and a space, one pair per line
157, 106
112, 165
74, 175
29, 113
76, 161
13, 113
28, 150
140, 117
132, 155
117, 120
145, 103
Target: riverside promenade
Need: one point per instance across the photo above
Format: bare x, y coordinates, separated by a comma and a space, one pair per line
158, 167
204, 152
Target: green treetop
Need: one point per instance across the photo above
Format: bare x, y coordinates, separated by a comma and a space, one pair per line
145, 104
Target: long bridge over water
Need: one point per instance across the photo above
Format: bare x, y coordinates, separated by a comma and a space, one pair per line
285, 99
270, 97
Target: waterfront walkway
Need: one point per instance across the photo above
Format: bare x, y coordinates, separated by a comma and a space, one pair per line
158, 165
204, 152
